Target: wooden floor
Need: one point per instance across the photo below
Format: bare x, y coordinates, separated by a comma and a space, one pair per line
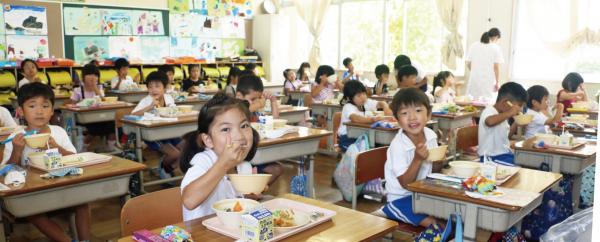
105, 214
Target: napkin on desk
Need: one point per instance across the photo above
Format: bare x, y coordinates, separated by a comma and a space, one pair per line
513, 197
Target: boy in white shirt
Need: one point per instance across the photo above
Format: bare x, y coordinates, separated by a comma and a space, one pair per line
537, 104
122, 81
494, 129
407, 156
6, 119
36, 101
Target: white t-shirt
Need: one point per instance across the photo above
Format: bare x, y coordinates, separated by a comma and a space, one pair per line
201, 163
6, 120
537, 125
399, 157
446, 96
58, 133
125, 84
24, 81
493, 140
147, 101
482, 78
349, 109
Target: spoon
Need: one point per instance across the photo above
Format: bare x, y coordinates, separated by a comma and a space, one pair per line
510, 105
27, 133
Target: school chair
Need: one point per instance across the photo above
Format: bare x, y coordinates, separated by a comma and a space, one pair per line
370, 165
337, 119
467, 140
152, 210
9, 220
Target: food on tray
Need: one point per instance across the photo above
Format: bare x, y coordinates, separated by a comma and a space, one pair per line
237, 207
284, 218
470, 109
479, 184
72, 159
502, 173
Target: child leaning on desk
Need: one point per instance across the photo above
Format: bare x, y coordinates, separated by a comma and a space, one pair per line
221, 145
36, 102
157, 98
406, 156
537, 106
123, 81
494, 130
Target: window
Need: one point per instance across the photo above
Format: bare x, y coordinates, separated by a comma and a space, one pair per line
543, 29
362, 34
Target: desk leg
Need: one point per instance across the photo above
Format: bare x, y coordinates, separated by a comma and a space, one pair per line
576, 191
330, 125
372, 138
311, 176
138, 153
470, 223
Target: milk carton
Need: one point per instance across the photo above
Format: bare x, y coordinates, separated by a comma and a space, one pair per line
566, 139
257, 226
53, 159
488, 170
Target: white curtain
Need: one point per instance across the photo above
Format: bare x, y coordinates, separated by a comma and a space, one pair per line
313, 13
562, 26
450, 13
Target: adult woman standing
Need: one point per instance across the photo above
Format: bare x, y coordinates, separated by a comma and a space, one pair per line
483, 60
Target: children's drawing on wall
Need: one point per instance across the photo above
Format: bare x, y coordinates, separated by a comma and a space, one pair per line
208, 27
128, 47
239, 8
2, 31
206, 49
2, 48
216, 8
116, 22
90, 48
155, 48
200, 7
25, 20
232, 27
147, 23
82, 21
182, 24
181, 46
179, 6
233, 47
26, 46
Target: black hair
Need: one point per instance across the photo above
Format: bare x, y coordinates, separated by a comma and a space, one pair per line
513, 92
400, 61
381, 69
190, 66
217, 105
285, 73
347, 61
406, 70
28, 60
323, 70
249, 83
440, 80
94, 62
233, 71
33, 90
537, 93
250, 66
572, 81
493, 32
351, 89
300, 71
157, 76
247, 72
90, 69
166, 68
120, 63
411, 96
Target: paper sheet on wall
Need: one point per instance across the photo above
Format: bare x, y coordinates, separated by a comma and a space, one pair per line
181, 46
216, 8
206, 49
25, 20
219, 8
27, 46
128, 47
2, 20
181, 25
232, 27
116, 22
179, 6
233, 47
82, 21
200, 7
147, 22
206, 27
240, 8
90, 48
155, 48
2, 37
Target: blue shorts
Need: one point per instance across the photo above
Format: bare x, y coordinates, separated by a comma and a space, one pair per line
155, 145
507, 159
344, 142
401, 210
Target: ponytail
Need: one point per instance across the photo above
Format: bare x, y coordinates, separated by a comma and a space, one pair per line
485, 38
440, 80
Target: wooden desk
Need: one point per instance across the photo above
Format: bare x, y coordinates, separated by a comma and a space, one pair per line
298, 95
382, 136
59, 100
303, 144
440, 201
346, 225
209, 92
328, 110
294, 115
449, 123
97, 182
571, 162
385, 98
592, 113
479, 105
128, 96
577, 132
73, 115
194, 101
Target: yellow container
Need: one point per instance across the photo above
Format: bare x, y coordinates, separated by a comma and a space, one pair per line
178, 73
60, 78
7, 79
42, 77
133, 72
106, 75
147, 70
261, 71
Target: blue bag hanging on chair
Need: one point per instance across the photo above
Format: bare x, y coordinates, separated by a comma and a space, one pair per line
298, 183
434, 233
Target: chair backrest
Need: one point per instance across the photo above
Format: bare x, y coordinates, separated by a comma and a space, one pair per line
337, 119
370, 165
119, 113
308, 100
467, 137
152, 210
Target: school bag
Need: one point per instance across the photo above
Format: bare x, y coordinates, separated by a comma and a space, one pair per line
345, 170
434, 232
298, 183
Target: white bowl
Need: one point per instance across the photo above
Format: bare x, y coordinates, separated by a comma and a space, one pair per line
465, 169
246, 184
300, 219
437, 153
37, 140
37, 159
523, 119
279, 123
550, 139
233, 219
